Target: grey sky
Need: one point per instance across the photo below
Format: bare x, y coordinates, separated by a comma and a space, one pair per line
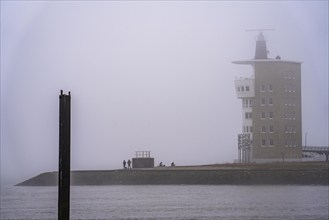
145, 76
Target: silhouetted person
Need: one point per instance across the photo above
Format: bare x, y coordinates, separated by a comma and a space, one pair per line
129, 163
160, 164
172, 164
124, 164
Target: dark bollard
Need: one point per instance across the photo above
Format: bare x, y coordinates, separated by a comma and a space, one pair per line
64, 156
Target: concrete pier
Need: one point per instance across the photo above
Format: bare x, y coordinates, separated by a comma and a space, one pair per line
235, 174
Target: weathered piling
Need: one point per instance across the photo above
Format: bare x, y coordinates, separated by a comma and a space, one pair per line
64, 156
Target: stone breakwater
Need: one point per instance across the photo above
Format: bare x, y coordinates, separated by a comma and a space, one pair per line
215, 175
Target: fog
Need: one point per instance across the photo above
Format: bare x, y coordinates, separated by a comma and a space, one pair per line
155, 76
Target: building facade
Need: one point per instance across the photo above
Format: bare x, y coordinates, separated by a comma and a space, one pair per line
271, 108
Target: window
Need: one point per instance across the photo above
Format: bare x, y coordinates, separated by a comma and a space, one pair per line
247, 88
289, 87
247, 103
289, 102
263, 129
250, 129
248, 115
293, 129
270, 101
271, 142
238, 88
242, 89
263, 143
270, 88
263, 102
262, 88
271, 115
271, 129
290, 143
247, 129
263, 115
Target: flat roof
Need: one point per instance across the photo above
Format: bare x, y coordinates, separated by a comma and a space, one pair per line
252, 61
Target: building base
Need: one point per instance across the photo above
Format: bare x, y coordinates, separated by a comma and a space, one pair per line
273, 160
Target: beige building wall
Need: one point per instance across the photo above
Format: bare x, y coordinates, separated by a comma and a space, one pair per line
277, 111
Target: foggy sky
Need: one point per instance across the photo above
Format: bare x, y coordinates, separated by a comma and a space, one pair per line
154, 76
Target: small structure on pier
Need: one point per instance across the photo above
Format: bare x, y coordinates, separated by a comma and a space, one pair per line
143, 159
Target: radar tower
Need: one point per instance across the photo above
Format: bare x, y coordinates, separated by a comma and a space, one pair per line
261, 50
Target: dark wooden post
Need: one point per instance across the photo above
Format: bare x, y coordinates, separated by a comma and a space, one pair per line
64, 156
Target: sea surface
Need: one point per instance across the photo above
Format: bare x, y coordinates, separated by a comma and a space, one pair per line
170, 202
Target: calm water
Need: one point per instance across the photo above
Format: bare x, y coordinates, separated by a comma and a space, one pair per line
169, 202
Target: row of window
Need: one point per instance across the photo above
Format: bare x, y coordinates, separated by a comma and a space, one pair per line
291, 75
289, 102
290, 115
290, 143
270, 129
270, 102
289, 129
243, 88
269, 143
247, 103
269, 88
263, 101
289, 88
270, 115
247, 129
248, 115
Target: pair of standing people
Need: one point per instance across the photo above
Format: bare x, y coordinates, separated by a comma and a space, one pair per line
125, 163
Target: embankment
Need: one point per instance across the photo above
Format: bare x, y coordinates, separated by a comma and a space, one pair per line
309, 174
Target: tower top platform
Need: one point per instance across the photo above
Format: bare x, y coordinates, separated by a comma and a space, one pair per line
253, 61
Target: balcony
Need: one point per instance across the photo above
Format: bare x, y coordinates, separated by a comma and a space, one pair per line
245, 87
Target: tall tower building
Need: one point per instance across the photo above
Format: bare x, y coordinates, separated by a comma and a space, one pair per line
271, 108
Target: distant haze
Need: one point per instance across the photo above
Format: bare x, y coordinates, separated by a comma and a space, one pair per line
154, 76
